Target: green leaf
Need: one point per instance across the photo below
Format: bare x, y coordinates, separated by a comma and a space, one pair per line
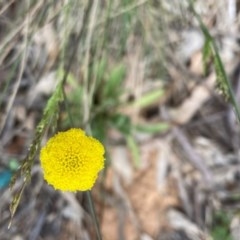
99, 128
221, 223
122, 123
153, 128
76, 95
149, 98
133, 146
221, 82
207, 54
100, 68
113, 88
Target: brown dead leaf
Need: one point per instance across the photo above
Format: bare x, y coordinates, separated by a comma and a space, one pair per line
196, 66
148, 203
145, 205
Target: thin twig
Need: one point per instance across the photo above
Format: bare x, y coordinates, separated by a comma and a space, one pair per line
193, 157
6, 6
124, 10
74, 50
93, 212
86, 101
17, 83
72, 57
14, 33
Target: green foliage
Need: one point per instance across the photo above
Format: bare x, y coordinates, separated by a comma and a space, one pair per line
122, 123
209, 51
105, 113
50, 116
223, 81
220, 229
153, 128
99, 69
113, 85
126, 23
133, 146
149, 98
99, 127
109, 89
207, 55
72, 99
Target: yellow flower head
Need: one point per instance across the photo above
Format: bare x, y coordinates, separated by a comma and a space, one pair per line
71, 160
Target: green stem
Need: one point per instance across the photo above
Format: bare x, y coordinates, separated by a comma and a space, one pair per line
218, 59
93, 212
66, 104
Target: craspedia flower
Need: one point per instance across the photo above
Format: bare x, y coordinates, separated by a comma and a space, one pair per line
71, 160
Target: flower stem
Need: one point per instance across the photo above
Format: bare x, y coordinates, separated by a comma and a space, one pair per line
93, 212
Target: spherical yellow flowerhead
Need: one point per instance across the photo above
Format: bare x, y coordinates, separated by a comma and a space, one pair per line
71, 160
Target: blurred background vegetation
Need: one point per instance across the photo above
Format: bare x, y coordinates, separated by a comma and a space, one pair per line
157, 82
